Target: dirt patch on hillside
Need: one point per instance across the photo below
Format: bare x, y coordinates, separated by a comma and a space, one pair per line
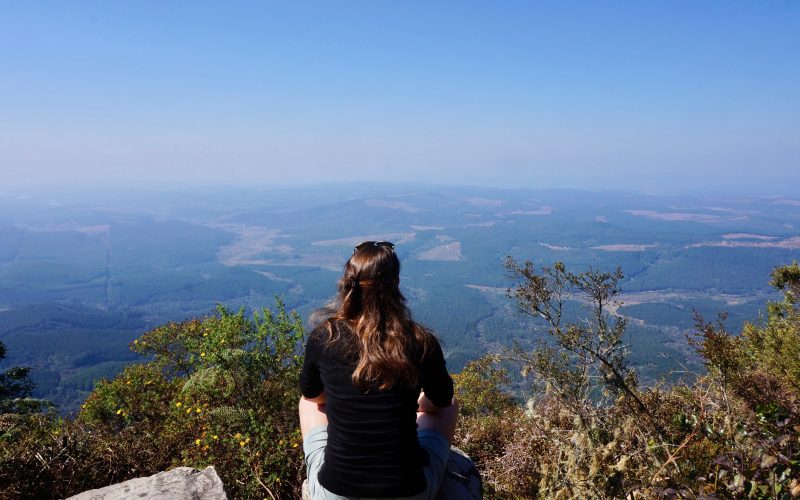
273, 277
787, 244
545, 210
488, 223
485, 202
737, 211
674, 216
747, 236
622, 248
448, 252
250, 242
488, 289
786, 201
396, 238
394, 205
555, 247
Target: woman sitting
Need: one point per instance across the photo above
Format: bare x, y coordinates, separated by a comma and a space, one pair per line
377, 412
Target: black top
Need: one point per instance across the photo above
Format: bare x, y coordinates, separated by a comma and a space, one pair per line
372, 448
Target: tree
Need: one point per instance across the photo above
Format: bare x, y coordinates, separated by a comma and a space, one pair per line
771, 347
218, 390
586, 352
16, 388
787, 278
759, 375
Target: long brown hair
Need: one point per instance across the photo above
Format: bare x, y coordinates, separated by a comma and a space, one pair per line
369, 301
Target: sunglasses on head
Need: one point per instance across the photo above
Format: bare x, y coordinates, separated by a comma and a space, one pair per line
385, 244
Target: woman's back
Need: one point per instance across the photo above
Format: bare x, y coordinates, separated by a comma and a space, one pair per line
372, 436
365, 366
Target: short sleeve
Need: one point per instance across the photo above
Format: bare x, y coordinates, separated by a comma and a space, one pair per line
436, 382
310, 380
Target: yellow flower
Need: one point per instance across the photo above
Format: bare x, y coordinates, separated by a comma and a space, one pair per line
136, 341
237, 436
215, 437
294, 445
202, 354
188, 410
119, 411
178, 404
247, 440
242, 443
197, 442
198, 410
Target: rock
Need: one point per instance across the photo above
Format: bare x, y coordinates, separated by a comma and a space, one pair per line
176, 484
462, 481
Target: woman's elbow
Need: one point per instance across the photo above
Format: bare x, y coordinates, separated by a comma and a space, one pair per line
320, 399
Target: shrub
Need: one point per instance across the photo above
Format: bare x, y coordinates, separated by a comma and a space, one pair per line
219, 391
731, 433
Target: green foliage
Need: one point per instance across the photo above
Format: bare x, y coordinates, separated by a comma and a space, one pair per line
787, 278
479, 388
582, 353
733, 433
488, 416
15, 390
771, 348
141, 394
760, 375
219, 391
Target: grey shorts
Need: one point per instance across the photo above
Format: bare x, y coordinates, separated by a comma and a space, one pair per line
434, 443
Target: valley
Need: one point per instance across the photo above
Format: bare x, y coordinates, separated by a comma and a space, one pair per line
84, 274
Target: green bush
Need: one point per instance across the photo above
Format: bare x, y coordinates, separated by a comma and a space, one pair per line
220, 390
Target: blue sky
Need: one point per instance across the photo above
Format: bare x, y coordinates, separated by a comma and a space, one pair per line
653, 96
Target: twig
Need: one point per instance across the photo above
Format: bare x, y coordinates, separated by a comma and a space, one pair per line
671, 458
266, 488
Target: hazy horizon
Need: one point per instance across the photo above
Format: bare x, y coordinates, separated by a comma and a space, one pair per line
80, 189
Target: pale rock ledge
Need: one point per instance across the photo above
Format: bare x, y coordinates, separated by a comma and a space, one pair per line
181, 483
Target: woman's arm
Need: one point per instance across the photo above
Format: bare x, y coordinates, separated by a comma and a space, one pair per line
320, 400
311, 407
312, 414
434, 418
310, 377
426, 405
437, 385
